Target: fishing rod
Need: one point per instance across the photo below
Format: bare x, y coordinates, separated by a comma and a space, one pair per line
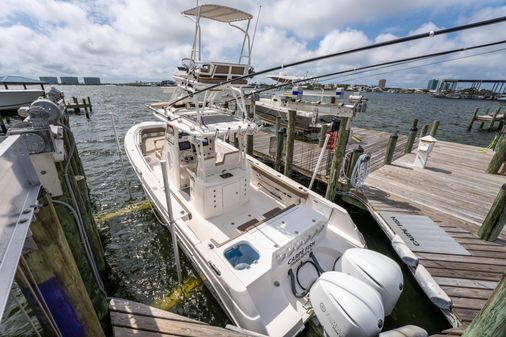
409, 68
350, 51
388, 63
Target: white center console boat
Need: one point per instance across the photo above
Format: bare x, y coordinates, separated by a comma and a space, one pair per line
272, 252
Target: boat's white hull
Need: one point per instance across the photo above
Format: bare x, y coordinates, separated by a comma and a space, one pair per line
240, 303
14, 99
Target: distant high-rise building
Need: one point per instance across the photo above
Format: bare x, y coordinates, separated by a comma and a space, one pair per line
49, 79
382, 83
92, 80
69, 80
432, 84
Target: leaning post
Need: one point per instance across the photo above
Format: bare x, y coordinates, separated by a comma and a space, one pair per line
475, 113
483, 123
392, 142
357, 152
86, 111
435, 126
499, 154
290, 141
77, 109
338, 158
490, 320
323, 134
425, 131
412, 136
249, 137
494, 116
89, 104
279, 144
496, 217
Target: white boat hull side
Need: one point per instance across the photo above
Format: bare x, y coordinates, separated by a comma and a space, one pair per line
14, 99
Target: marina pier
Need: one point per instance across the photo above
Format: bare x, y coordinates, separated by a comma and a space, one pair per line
454, 192
241, 209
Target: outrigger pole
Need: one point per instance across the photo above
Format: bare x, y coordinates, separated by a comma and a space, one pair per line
388, 63
432, 33
163, 164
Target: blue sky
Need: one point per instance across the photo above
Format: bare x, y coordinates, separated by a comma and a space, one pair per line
128, 40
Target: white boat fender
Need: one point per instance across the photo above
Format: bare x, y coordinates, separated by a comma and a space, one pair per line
402, 249
346, 306
405, 331
378, 271
432, 289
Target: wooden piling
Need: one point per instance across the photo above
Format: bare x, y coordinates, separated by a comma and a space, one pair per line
494, 116
499, 154
357, 152
89, 104
496, 217
392, 142
236, 141
490, 322
323, 134
475, 113
279, 144
290, 141
70, 225
483, 123
249, 138
54, 270
435, 126
86, 111
412, 136
77, 110
425, 130
337, 159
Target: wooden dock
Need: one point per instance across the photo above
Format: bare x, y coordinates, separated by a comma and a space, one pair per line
306, 154
131, 319
75, 106
456, 193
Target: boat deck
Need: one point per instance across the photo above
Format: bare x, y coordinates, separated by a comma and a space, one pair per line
456, 193
230, 225
306, 154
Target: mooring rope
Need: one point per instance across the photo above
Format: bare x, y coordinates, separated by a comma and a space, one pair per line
23, 310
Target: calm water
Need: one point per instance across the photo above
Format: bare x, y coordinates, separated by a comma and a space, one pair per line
138, 248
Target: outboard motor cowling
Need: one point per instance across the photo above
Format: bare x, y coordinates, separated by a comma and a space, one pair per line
346, 306
379, 271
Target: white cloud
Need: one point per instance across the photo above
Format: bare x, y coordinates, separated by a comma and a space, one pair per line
145, 39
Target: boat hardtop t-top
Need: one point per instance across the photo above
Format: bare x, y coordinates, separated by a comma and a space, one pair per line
271, 251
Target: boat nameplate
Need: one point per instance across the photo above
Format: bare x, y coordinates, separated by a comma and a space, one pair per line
421, 234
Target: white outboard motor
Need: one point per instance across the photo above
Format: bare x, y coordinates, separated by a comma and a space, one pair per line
346, 306
379, 271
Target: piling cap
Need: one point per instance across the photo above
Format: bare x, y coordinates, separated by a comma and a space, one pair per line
428, 139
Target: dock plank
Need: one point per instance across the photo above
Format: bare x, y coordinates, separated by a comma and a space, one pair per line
130, 319
456, 193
